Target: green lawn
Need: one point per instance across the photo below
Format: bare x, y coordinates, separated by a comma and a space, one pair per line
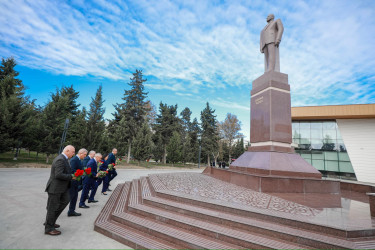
25, 157
154, 164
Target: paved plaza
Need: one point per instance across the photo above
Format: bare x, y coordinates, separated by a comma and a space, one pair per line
23, 210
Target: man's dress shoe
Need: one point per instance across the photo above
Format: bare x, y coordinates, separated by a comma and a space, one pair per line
93, 201
84, 206
54, 232
74, 214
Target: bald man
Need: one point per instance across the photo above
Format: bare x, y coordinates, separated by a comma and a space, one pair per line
58, 189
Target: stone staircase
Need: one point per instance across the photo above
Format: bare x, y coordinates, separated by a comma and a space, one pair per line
145, 214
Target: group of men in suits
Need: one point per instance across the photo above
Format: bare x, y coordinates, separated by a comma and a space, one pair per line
63, 188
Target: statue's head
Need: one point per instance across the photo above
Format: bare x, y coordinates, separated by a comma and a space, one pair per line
270, 17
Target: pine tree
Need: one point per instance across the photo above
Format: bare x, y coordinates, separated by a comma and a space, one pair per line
174, 148
185, 139
167, 122
133, 110
142, 144
210, 135
15, 108
239, 148
57, 110
158, 147
77, 135
195, 130
95, 122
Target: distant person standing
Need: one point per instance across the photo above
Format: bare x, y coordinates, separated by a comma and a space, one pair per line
58, 189
75, 164
112, 160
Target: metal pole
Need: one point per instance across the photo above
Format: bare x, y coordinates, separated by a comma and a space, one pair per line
63, 137
199, 157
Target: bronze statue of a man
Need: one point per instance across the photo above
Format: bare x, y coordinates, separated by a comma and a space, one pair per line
270, 38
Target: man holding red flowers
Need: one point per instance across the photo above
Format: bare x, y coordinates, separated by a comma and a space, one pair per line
90, 181
112, 160
75, 164
58, 189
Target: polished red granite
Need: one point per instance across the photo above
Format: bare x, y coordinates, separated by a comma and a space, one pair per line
196, 211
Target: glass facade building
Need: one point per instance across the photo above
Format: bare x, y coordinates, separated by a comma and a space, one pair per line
321, 145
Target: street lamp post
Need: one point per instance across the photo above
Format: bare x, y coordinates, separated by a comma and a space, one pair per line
200, 148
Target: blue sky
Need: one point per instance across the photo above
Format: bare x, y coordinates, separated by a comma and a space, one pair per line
191, 52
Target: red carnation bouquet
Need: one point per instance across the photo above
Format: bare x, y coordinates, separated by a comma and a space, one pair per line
88, 172
78, 174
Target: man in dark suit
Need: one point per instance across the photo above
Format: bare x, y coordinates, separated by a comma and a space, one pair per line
87, 158
90, 181
112, 160
58, 189
75, 164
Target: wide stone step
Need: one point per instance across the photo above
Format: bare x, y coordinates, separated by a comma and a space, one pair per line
172, 234
221, 232
122, 233
298, 236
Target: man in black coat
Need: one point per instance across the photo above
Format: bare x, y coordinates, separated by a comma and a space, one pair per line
75, 164
58, 189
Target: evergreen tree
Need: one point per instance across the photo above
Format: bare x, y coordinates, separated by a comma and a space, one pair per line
167, 122
77, 135
239, 148
187, 150
174, 148
195, 130
210, 135
15, 107
57, 110
95, 122
158, 147
142, 144
133, 110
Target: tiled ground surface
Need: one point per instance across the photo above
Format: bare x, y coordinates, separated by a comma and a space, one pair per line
348, 211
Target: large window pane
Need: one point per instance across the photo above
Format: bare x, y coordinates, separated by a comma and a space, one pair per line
317, 155
305, 133
318, 164
331, 156
304, 125
316, 144
329, 125
307, 157
329, 134
346, 167
329, 145
338, 133
317, 133
316, 125
341, 145
332, 166
343, 156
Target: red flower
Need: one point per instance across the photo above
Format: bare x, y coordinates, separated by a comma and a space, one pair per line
88, 171
114, 164
106, 172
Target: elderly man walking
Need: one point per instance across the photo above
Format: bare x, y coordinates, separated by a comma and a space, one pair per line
75, 164
58, 189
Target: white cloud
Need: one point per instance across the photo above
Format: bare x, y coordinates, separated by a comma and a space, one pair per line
327, 47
